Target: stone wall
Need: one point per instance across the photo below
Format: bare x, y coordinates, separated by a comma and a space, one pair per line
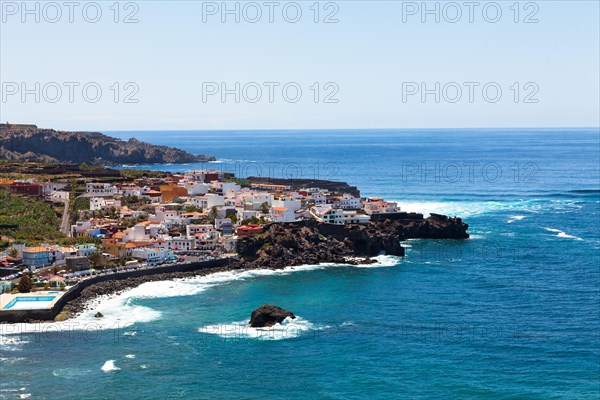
15, 316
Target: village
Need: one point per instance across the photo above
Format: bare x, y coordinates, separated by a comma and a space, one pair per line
153, 221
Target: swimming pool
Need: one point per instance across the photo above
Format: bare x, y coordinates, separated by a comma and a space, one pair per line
29, 303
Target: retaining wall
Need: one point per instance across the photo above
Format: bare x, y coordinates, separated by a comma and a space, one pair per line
74, 292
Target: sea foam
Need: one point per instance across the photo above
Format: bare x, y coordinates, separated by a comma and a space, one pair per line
109, 366
121, 311
561, 234
288, 329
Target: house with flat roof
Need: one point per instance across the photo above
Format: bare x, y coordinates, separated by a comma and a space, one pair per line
36, 257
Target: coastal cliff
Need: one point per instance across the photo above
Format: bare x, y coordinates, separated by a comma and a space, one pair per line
311, 242
29, 143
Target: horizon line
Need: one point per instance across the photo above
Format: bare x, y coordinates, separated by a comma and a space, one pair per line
345, 129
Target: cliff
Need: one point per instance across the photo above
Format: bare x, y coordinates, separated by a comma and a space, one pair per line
29, 143
311, 242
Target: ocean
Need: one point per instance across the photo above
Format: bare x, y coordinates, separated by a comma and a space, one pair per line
513, 312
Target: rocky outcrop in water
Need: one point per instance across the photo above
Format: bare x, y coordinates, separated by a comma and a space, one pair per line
28, 143
268, 315
311, 242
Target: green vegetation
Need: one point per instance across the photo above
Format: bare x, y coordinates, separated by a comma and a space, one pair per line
254, 220
134, 201
135, 173
99, 261
82, 203
233, 218
27, 219
264, 208
25, 284
212, 214
191, 209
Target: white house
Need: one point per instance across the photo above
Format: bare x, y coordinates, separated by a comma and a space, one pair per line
100, 203
152, 256
101, 189
206, 240
319, 199
135, 234
282, 214
245, 214
286, 202
208, 201
349, 202
49, 187
193, 229
131, 190
196, 188
79, 227
378, 205
328, 214
352, 217
86, 249
181, 243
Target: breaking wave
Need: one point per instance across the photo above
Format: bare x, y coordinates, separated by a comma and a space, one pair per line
288, 329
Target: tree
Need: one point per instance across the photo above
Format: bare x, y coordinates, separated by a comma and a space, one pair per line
14, 253
264, 207
25, 284
212, 215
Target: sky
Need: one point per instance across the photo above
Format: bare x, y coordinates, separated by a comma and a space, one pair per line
154, 65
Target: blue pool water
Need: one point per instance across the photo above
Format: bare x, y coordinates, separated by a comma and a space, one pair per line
512, 313
30, 302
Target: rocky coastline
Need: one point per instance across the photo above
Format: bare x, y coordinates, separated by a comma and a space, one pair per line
301, 243
30, 143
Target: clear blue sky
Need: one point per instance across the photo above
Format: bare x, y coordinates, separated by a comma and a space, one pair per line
368, 54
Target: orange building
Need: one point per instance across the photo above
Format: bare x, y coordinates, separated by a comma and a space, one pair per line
171, 191
250, 229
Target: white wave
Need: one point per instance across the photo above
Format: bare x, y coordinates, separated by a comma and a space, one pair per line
11, 360
288, 329
25, 395
472, 236
121, 311
514, 218
465, 209
382, 261
10, 343
109, 366
143, 366
561, 234
130, 356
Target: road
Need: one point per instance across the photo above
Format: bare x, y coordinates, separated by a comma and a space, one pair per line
64, 223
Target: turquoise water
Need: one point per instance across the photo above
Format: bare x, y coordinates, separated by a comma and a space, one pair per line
513, 312
30, 302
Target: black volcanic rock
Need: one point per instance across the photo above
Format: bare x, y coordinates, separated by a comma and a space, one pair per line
268, 315
48, 145
311, 242
98, 315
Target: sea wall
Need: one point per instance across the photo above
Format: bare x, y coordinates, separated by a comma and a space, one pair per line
15, 316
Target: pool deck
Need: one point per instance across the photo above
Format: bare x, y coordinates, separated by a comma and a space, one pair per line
6, 298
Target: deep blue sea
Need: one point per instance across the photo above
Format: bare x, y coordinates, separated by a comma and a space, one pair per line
511, 313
